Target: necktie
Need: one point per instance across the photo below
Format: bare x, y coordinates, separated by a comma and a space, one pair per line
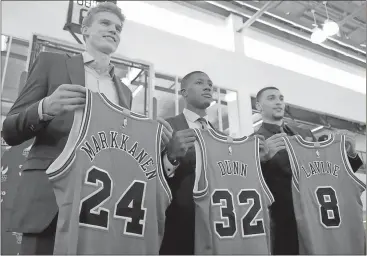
202, 121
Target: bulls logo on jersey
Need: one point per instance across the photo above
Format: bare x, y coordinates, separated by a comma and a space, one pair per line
4, 176
18, 236
26, 150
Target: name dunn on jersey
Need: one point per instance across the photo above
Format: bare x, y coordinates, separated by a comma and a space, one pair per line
228, 167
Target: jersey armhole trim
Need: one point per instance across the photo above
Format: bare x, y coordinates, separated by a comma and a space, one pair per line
60, 166
347, 165
200, 166
161, 177
293, 162
259, 172
312, 144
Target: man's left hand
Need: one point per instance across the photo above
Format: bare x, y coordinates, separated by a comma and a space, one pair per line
350, 142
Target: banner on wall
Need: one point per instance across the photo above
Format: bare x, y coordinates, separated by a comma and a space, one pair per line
12, 159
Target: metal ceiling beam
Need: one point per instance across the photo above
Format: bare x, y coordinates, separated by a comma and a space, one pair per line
352, 15
280, 26
334, 13
298, 23
254, 17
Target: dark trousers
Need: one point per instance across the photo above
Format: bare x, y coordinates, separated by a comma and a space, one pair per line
39, 243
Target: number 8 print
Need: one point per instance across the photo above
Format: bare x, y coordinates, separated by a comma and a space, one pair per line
329, 207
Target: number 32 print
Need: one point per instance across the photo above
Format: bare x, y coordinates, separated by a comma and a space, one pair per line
249, 225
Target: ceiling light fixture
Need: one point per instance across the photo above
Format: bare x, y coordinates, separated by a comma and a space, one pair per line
330, 27
318, 35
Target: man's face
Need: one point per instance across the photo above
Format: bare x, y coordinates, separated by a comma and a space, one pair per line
271, 104
103, 34
199, 91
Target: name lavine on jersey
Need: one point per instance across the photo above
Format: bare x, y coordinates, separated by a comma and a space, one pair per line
318, 167
228, 167
145, 161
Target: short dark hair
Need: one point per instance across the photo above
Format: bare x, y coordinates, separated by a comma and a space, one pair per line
258, 95
187, 77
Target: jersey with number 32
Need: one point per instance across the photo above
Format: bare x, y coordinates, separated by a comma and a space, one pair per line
326, 197
108, 183
231, 197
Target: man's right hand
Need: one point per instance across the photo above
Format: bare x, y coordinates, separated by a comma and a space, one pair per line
66, 98
273, 145
180, 142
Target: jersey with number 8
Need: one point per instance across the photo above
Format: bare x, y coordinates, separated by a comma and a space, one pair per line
108, 183
231, 197
326, 197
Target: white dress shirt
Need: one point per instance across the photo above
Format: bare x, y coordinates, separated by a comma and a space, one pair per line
192, 121
95, 82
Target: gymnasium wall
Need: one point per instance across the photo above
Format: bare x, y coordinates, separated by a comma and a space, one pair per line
177, 55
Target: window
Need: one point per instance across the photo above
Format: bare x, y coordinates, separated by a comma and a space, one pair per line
275, 56
13, 60
150, 14
165, 94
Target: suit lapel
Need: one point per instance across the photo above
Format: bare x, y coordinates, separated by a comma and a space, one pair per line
123, 101
75, 67
182, 123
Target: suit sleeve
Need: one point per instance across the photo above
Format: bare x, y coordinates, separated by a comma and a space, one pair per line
169, 174
355, 163
22, 122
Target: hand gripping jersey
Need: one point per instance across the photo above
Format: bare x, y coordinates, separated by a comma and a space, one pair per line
326, 197
231, 197
109, 184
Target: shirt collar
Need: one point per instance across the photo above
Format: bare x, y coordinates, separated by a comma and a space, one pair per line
87, 58
191, 116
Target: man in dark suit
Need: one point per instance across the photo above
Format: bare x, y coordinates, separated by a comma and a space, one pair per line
277, 170
55, 87
179, 163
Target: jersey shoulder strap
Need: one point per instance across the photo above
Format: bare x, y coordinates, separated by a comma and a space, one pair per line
201, 181
77, 133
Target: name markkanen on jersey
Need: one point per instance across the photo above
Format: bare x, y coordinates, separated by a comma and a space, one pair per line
101, 142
